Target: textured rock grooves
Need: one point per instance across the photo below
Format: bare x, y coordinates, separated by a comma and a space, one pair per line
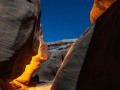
19, 33
101, 69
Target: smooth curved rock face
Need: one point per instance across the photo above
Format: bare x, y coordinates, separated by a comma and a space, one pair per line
99, 7
19, 28
67, 75
101, 68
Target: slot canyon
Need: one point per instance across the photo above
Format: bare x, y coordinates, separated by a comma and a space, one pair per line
90, 62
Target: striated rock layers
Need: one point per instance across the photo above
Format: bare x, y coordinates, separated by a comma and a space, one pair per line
99, 7
20, 34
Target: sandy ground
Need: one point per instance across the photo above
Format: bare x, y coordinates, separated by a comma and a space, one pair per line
41, 87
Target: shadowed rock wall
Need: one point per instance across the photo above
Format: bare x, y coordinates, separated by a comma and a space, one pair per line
101, 68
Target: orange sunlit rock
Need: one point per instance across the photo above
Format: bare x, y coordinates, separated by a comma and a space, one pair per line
43, 54
99, 7
38, 87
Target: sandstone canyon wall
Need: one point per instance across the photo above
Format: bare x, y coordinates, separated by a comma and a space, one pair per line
98, 68
92, 63
101, 68
19, 33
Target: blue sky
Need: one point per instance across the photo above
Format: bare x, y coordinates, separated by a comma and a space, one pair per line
64, 19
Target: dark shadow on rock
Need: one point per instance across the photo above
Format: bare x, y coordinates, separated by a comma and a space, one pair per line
101, 68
